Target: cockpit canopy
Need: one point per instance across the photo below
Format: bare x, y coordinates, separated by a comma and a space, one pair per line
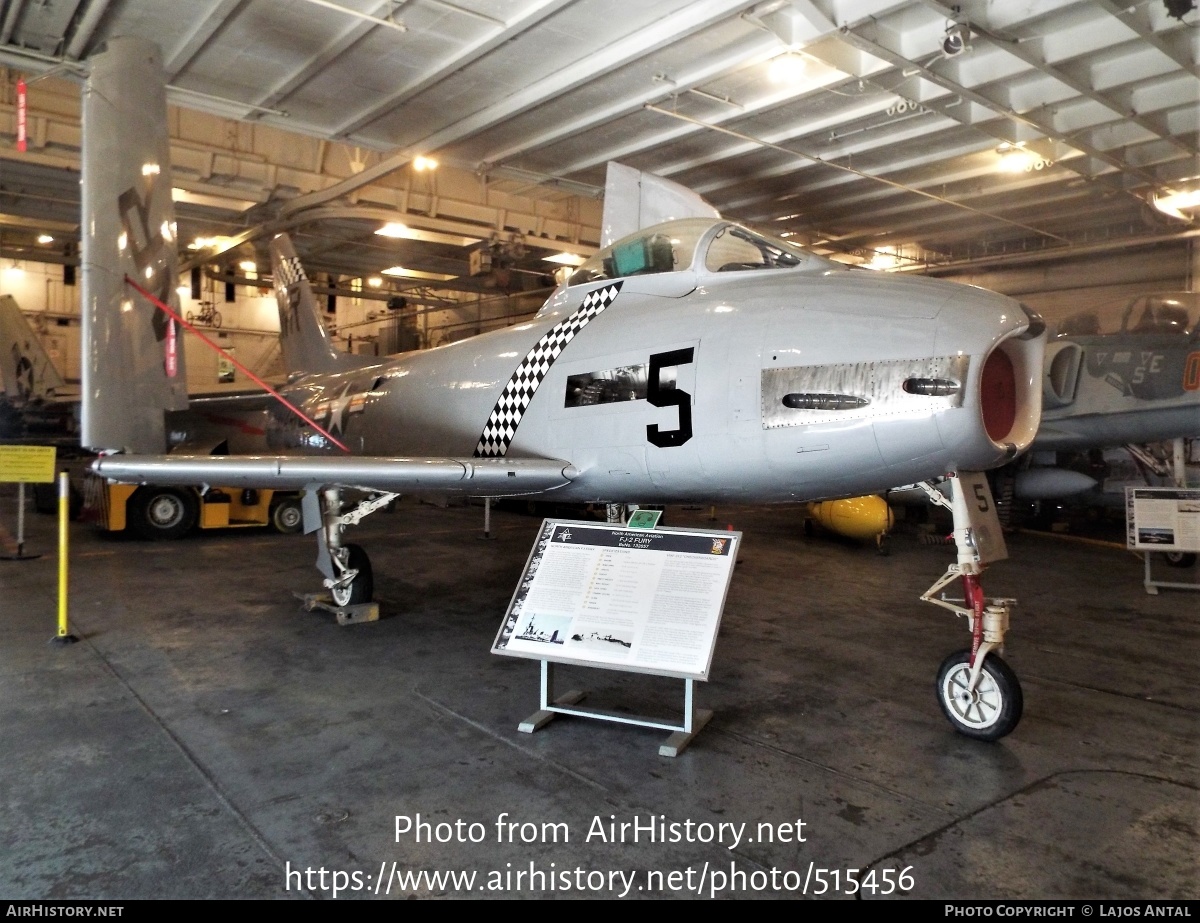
1173, 314
698, 244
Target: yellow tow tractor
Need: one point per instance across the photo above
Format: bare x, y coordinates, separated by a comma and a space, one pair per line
171, 512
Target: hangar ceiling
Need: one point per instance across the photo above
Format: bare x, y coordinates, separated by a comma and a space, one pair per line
911, 134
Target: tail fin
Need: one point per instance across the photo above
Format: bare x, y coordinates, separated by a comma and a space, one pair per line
26, 371
133, 367
305, 342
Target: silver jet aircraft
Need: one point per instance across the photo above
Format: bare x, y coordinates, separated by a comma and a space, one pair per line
695, 360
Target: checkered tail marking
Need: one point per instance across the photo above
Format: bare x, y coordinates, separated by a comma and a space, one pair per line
289, 272
506, 415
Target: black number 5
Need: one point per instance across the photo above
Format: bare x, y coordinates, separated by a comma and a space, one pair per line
981, 496
659, 396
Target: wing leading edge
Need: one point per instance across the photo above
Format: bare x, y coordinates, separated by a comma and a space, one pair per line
473, 477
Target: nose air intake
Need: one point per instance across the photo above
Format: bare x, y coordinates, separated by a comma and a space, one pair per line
998, 396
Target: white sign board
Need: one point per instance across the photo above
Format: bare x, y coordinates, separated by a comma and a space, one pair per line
1162, 518
647, 601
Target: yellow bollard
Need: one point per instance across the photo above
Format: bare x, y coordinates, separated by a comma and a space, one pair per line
64, 636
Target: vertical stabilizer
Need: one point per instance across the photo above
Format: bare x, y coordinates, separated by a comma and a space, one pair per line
26, 372
133, 359
634, 200
303, 339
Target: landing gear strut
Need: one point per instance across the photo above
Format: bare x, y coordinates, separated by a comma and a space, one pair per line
977, 691
346, 567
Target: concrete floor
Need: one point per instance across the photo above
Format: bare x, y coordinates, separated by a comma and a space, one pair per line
207, 736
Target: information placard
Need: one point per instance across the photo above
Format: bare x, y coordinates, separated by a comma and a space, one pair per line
1162, 518
27, 464
648, 601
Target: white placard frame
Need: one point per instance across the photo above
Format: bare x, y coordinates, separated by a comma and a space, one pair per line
1160, 520
609, 597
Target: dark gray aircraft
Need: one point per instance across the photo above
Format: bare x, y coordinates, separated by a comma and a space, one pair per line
694, 360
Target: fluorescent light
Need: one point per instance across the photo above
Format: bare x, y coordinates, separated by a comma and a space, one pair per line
565, 259
421, 163
417, 274
787, 68
225, 203
375, 282
1174, 203
247, 265
45, 239
397, 230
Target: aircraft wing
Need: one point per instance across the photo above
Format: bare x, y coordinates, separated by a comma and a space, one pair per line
473, 477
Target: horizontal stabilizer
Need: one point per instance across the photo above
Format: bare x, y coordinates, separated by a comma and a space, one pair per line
471, 477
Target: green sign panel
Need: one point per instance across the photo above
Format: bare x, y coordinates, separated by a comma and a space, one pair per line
644, 519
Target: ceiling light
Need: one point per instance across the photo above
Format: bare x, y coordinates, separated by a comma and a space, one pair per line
417, 274
205, 243
1176, 204
421, 163
565, 259
375, 281
14, 270
247, 265
955, 42
787, 68
396, 229
184, 291
45, 239
883, 259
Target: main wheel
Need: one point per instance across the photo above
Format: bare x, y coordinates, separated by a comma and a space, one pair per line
992, 709
287, 516
1179, 558
216, 319
161, 512
362, 587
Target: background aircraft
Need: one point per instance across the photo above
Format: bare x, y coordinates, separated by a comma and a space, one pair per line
695, 360
37, 403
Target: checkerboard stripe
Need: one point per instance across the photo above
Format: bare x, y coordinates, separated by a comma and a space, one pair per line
506, 415
289, 272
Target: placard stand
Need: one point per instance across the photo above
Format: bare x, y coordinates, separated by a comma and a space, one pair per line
1152, 585
642, 600
1162, 520
694, 719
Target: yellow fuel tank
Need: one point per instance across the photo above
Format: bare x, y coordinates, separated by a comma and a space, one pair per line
863, 518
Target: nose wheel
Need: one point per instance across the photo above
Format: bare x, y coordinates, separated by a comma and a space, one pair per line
986, 711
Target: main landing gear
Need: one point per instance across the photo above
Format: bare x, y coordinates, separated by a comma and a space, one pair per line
978, 692
346, 567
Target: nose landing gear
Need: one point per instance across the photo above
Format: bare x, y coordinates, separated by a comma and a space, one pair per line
978, 692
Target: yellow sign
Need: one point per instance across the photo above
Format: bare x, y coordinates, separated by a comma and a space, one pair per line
31, 464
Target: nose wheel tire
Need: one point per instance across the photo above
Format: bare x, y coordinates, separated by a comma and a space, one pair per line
1179, 558
362, 587
990, 710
